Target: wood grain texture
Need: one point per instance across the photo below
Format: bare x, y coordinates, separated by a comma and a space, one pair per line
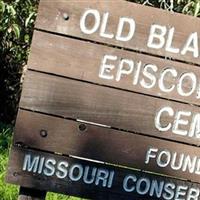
112, 107
16, 175
82, 60
98, 143
51, 18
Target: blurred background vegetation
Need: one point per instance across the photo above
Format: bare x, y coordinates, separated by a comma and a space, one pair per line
189, 7
16, 26
17, 19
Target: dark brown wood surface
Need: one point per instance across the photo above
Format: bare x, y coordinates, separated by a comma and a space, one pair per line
82, 60
107, 145
52, 18
16, 175
112, 107
31, 194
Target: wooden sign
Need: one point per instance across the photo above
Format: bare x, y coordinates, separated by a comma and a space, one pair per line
116, 83
124, 24
92, 180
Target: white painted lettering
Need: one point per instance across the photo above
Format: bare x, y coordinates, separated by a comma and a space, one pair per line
102, 175
103, 27
180, 192
169, 46
150, 154
167, 157
125, 68
189, 163
193, 81
83, 20
178, 161
62, 169
49, 167
137, 73
149, 75
178, 121
156, 188
31, 163
191, 45
169, 191
195, 126
161, 84
120, 28
140, 188
79, 172
193, 194
156, 37
89, 178
158, 124
41, 165
106, 68
110, 179
127, 186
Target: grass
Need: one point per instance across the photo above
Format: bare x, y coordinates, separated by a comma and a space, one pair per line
8, 191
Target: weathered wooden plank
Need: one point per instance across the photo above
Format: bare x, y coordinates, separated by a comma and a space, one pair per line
81, 60
107, 145
108, 106
64, 17
69, 180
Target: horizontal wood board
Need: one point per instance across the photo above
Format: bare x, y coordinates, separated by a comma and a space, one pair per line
112, 107
63, 17
82, 60
17, 175
98, 143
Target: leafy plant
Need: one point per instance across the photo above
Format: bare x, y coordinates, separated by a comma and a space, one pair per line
190, 7
16, 26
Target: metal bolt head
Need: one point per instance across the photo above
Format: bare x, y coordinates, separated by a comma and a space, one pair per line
65, 16
15, 174
82, 127
43, 133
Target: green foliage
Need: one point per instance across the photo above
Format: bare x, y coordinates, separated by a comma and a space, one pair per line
5, 137
53, 196
7, 192
190, 7
16, 26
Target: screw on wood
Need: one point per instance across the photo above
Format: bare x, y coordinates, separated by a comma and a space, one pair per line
43, 133
65, 16
82, 127
15, 174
